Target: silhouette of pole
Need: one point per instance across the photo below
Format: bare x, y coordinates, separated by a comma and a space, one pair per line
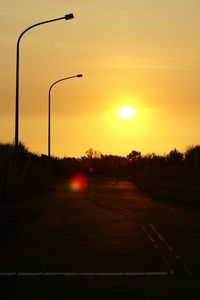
66, 17
49, 109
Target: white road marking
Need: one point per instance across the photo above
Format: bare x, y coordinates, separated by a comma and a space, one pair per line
83, 274
123, 209
148, 235
187, 271
29, 273
160, 237
60, 274
7, 273
185, 268
178, 257
165, 260
156, 273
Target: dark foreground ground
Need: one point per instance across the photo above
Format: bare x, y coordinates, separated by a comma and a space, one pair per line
109, 241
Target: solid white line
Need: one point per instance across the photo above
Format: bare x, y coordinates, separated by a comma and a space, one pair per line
109, 274
7, 273
29, 273
156, 273
59, 274
83, 274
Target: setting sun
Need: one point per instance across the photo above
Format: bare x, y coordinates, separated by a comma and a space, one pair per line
140, 80
126, 112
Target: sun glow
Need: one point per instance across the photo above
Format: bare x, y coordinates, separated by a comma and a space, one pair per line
126, 112
126, 120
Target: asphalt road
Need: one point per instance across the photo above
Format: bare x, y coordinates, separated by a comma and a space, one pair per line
109, 240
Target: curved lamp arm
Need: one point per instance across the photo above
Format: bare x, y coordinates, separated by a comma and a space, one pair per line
66, 17
49, 109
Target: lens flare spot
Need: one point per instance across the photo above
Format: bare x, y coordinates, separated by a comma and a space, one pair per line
78, 182
91, 169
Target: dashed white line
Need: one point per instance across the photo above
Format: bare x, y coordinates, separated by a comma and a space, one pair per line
185, 268
123, 209
165, 260
183, 265
148, 235
160, 237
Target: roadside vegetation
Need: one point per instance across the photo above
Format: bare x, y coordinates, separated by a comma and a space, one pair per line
174, 177
23, 172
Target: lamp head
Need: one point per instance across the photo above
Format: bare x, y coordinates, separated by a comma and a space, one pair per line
69, 16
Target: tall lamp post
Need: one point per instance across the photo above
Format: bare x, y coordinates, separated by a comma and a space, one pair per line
49, 109
66, 17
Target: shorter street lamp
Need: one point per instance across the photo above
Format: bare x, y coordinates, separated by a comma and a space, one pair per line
49, 109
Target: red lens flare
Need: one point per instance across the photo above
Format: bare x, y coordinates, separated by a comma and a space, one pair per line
91, 169
78, 182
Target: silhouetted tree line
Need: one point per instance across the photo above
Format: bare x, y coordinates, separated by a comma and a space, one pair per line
172, 177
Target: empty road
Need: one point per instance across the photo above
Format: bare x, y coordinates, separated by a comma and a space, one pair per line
109, 239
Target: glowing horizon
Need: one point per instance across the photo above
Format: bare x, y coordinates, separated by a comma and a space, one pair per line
144, 54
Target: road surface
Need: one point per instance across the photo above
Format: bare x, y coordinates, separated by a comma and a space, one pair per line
109, 239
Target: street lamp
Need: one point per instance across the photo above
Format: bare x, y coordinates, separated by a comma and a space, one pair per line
49, 109
66, 17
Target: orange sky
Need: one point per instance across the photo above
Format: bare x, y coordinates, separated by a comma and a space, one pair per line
142, 53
